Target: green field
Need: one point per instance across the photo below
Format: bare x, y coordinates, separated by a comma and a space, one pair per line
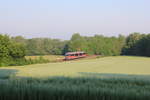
111, 65
107, 78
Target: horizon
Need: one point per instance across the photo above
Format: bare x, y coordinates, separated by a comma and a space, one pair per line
26, 37
61, 19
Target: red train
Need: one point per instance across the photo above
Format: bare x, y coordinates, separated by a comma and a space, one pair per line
75, 55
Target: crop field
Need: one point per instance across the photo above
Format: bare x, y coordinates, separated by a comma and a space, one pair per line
107, 78
61, 88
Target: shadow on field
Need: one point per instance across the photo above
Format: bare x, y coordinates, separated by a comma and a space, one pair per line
114, 76
97, 87
7, 73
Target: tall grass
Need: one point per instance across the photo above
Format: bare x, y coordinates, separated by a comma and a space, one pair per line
61, 88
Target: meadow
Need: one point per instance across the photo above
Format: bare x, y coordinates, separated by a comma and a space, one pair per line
114, 65
107, 78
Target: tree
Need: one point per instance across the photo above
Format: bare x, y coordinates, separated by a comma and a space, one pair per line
45, 46
143, 46
10, 51
131, 43
17, 50
19, 39
98, 44
77, 43
4, 46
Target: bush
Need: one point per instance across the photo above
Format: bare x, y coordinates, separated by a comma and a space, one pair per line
22, 61
11, 53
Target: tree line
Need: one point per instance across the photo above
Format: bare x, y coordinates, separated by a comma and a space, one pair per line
98, 45
137, 44
41, 46
16, 48
133, 44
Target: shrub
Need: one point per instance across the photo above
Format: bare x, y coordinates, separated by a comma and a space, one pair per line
21, 61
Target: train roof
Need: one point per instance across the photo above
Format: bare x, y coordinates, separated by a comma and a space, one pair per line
69, 53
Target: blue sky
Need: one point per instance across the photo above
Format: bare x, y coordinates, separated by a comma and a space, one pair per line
62, 18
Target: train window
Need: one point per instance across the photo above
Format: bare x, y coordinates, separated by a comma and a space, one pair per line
80, 54
76, 54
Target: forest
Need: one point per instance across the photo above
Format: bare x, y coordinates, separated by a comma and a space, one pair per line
14, 49
134, 44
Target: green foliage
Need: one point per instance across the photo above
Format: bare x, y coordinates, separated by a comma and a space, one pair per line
4, 46
77, 43
137, 44
17, 47
61, 88
22, 61
143, 46
45, 46
17, 50
12, 52
19, 39
131, 42
99, 45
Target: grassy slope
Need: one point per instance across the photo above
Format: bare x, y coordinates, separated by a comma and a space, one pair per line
117, 65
